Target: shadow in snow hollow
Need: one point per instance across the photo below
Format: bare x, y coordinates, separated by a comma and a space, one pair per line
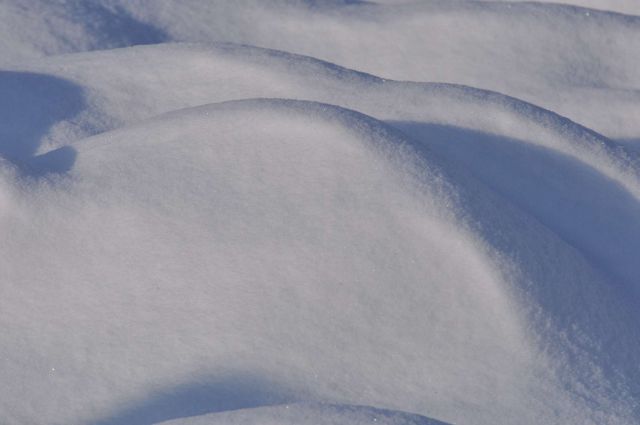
29, 106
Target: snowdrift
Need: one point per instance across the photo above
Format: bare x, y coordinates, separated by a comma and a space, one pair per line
569, 59
315, 235
214, 232
463, 124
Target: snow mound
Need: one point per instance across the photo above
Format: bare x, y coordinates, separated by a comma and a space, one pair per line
315, 235
231, 226
489, 134
159, 79
562, 57
44, 27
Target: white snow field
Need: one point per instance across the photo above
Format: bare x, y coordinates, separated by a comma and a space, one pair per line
319, 212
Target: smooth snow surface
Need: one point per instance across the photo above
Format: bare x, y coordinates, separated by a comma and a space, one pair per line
246, 213
296, 414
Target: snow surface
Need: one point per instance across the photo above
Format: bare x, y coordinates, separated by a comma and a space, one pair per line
308, 413
245, 213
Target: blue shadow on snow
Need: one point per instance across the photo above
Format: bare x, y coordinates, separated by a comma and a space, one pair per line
29, 106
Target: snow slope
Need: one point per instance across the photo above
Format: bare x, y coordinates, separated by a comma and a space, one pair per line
414, 108
313, 215
561, 57
304, 413
214, 232
629, 7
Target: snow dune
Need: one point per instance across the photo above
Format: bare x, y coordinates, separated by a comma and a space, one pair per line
268, 224
561, 57
312, 215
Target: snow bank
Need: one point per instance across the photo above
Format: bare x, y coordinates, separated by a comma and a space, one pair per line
214, 232
460, 123
317, 236
305, 235
564, 58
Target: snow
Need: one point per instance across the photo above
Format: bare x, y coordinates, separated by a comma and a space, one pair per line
561, 57
304, 412
245, 213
